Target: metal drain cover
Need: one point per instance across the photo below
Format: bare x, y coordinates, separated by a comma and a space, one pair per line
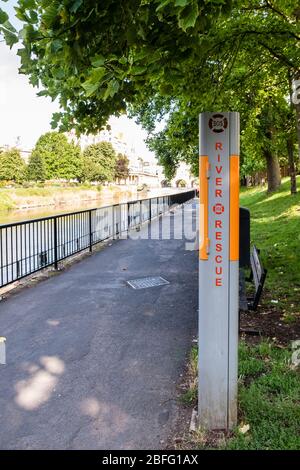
145, 282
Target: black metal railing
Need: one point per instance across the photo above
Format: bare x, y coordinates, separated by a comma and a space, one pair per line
31, 245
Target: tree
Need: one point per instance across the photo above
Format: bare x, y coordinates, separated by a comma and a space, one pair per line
122, 167
62, 159
291, 138
96, 70
36, 168
160, 51
12, 166
99, 162
246, 64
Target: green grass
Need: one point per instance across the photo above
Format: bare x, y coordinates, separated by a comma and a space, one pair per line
275, 229
269, 402
269, 391
6, 202
269, 399
190, 395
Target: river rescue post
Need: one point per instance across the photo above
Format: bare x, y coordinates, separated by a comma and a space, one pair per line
218, 270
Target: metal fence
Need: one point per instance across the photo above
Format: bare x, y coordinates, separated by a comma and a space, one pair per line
31, 245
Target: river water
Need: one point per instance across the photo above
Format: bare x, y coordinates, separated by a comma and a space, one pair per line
19, 215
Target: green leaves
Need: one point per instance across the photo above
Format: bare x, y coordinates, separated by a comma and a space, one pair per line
181, 3
3, 16
25, 57
36, 167
122, 167
50, 15
10, 37
95, 80
56, 45
112, 88
187, 11
99, 162
98, 60
60, 158
188, 16
163, 4
7, 29
12, 166
75, 5
138, 70
90, 87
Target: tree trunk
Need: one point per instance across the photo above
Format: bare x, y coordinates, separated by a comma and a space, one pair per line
296, 104
273, 171
290, 143
296, 14
292, 170
297, 108
273, 168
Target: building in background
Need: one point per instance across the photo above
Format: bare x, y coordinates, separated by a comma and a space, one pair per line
182, 179
142, 171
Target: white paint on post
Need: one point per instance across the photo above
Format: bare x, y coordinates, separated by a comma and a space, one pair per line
218, 270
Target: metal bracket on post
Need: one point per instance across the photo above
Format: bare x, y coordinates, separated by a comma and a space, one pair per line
218, 270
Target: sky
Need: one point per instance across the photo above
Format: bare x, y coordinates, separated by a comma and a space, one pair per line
25, 116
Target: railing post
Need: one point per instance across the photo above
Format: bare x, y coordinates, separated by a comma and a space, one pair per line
113, 222
90, 231
55, 243
128, 216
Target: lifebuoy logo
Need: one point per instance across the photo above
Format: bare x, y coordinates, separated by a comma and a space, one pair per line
218, 123
218, 209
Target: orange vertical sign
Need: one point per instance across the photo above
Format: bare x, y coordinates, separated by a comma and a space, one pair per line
203, 175
234, 207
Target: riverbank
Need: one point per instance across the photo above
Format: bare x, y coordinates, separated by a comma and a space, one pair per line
19, 198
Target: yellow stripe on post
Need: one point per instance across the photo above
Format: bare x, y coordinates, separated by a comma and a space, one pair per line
234, 208
203, 194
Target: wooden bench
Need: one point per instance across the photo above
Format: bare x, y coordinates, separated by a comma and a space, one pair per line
257, 276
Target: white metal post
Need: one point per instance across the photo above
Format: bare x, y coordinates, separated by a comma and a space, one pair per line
218, 269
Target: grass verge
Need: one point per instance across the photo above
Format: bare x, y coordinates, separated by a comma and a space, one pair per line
269, 403
48, 195
275, 229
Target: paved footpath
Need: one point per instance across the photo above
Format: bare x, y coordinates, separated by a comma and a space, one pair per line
93, 363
